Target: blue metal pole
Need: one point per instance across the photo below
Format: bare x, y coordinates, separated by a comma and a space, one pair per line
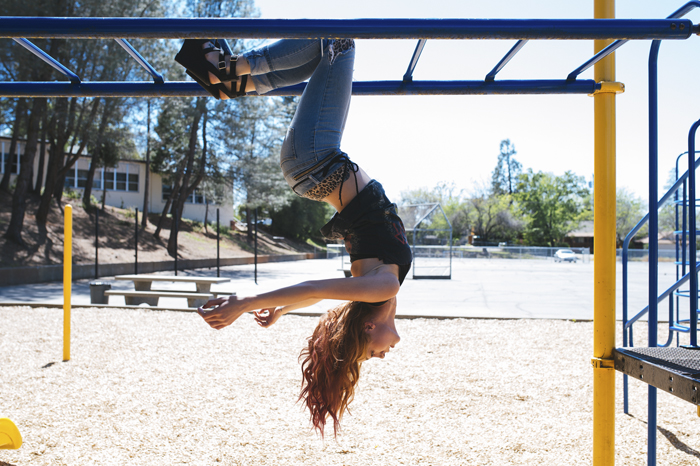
74, 78
625, 382
653, 192
679, 212
399, 28
504, 61
157, 77
366, 88
408, 76
596, 58
692, 237
653, 238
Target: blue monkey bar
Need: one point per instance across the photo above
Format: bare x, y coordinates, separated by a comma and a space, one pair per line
246, 28
192, 89
21, 28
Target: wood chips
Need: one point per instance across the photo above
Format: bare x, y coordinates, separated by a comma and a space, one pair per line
162, 388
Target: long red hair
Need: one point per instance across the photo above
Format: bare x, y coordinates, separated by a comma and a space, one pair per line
331, 362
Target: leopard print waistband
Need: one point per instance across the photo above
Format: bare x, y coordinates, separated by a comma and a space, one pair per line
326, 187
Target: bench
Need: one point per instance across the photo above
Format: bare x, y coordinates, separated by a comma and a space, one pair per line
143, 282
135, 297
144, 294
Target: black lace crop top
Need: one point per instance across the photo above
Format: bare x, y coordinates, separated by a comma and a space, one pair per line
371, 228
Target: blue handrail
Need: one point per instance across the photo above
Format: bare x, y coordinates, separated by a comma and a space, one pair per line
660, 298
625, 251
654, 240
692, 249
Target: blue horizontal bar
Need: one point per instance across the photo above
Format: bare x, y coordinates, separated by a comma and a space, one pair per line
192, 89
246, 28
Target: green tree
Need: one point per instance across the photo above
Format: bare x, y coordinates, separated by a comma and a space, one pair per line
629, 211
301, 219
254, 130
552, 205
505, 176
68, 124
492, 217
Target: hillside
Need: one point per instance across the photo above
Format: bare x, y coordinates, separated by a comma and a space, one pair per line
116, 242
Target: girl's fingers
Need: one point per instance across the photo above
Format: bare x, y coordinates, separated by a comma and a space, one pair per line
211, 305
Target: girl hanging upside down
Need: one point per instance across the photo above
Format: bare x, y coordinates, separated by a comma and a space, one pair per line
316, 168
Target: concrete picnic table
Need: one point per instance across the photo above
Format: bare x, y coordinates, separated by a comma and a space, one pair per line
143, 282
144, 294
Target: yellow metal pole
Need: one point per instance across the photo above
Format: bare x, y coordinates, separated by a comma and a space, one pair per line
604, 254
67, 277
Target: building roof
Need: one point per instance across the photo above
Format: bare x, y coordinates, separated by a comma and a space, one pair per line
584, 230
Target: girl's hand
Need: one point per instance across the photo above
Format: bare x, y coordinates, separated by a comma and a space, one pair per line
267, 317
222, 312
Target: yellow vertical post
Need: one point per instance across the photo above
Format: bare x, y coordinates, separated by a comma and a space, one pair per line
604, 258
67, 277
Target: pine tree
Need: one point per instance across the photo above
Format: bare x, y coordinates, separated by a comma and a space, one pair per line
505, 176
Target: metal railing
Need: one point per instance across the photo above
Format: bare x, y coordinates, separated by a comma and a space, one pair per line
654, 298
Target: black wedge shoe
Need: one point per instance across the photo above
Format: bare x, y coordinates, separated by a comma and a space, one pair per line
192, 56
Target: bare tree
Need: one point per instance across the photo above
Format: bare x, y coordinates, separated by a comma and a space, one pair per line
24, 180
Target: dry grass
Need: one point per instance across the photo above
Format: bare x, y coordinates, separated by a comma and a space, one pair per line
117, 232
157, 388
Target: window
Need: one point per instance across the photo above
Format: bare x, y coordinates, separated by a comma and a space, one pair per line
125, 178
9, 162
97, 180
132, 181
81, 181
195, 198
70, 179
109, 179
121, 181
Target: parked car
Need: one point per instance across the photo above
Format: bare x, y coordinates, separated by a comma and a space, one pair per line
565, 255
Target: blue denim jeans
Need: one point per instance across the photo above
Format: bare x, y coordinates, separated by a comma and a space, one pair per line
311, 148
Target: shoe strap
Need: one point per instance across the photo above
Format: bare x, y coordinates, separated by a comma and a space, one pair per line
227, 61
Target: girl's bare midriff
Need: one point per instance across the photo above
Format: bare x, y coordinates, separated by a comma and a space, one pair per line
361, 267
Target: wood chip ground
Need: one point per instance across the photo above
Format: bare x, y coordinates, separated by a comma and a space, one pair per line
162, 388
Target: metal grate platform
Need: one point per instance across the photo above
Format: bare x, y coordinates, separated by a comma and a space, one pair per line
673, 370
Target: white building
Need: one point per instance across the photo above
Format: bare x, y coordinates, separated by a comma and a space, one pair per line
123, 185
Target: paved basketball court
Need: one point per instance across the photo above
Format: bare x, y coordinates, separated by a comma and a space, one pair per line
484, 288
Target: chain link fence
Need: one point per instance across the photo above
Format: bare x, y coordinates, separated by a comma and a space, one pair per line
642, 255
439, 254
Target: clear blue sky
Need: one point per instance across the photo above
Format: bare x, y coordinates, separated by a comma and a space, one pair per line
419, 141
